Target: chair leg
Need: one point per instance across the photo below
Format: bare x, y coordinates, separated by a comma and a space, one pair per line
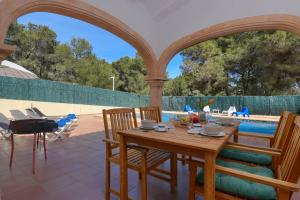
12, 150
193, 174
33, 156
44, 142
107, 180
173, 172
144, 177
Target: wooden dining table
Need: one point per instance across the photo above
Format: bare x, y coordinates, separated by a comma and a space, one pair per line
176, 140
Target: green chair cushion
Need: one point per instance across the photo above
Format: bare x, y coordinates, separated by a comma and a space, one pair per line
256, 158
241, 187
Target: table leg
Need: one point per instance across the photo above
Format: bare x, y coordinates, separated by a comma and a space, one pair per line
209, 176
123, 169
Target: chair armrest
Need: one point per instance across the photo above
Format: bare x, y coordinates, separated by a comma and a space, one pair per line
259, 179
255, 147
110, 141
131, 146
268, 151
257, 135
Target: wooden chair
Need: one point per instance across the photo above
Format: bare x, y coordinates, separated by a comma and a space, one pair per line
285, 179
275, 140
240, 152
142, 159
152, 112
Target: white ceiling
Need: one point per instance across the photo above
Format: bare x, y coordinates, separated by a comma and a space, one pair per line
162, 22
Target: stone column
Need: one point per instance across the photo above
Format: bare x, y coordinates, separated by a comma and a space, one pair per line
5, 50
156, 91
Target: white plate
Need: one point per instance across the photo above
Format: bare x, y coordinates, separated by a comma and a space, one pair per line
195, 130
147, 128
161, 129
221, 134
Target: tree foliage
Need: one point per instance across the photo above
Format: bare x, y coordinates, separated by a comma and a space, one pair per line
249, 63
39, 51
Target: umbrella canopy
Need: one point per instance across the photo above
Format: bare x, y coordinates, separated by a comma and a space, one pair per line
11, 69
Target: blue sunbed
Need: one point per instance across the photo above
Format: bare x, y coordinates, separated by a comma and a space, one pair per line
244, 112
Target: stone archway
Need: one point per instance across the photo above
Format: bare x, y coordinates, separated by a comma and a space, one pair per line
266, 22
12, 9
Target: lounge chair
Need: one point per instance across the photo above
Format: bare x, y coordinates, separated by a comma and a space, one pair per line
64, 124
230, 111
4, 125
33, 114
18, 115
206, 109
188, 108
245, 112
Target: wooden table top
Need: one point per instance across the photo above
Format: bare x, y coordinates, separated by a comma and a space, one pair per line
179, 137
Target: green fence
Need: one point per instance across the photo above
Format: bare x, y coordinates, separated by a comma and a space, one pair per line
264, 105
51, 91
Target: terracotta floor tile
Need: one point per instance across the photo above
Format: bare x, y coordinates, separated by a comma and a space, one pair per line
75, 169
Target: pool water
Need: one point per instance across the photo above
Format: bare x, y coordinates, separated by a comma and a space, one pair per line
245, 125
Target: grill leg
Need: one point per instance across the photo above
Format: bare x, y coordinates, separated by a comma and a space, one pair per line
44, 141
12, 149
33, 156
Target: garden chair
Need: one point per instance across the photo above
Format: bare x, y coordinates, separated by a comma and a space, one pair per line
18, 115
33, 114
245, 112
152, 113
62, 123
142, 159
230, 111
4, 125
255, 154
245, 181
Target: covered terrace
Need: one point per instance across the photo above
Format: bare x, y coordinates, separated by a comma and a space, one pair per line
158, 30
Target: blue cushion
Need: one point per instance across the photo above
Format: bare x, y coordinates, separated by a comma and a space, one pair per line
240, 187
246, 156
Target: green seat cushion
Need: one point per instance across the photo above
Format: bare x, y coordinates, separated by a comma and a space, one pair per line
256, 158
241, 187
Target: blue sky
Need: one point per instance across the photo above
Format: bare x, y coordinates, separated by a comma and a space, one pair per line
105, 45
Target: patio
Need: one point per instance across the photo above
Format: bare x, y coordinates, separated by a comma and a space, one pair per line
75, 169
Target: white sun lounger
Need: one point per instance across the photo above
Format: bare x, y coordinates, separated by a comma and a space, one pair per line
230, 111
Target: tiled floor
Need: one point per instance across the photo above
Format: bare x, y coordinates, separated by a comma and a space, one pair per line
75, 169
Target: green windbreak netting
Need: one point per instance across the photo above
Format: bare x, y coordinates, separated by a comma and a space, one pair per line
51, 91
263, 105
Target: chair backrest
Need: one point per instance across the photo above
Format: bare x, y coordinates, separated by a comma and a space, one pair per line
37, 111
289, 167
18, 115
245, 110
283, 133
151, 112
233, 109
187, 108
120, 119
4, 122
32, 114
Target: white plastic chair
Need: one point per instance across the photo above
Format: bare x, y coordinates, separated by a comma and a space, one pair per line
230, 111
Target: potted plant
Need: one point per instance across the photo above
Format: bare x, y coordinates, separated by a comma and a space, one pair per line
200, 106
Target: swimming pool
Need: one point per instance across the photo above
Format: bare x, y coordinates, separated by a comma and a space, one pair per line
245, 125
